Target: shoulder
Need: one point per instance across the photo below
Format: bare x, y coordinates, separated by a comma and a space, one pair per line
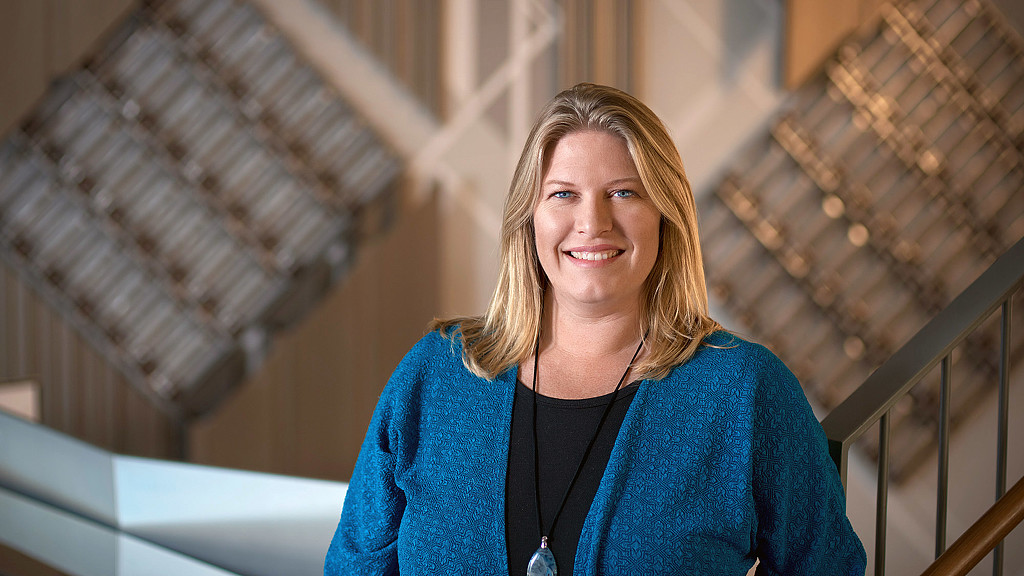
432, 344
728, 374
436, 351
728, 354
429, 378
747, 372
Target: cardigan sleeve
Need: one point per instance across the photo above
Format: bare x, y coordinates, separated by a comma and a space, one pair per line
801, 507
365, 541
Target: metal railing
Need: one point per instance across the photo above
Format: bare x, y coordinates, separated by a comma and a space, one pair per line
933, 345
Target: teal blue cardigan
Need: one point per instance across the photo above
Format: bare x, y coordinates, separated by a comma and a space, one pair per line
717, 464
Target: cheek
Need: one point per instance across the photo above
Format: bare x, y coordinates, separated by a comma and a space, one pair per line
650, 232
542, 246
545, 233
651, 239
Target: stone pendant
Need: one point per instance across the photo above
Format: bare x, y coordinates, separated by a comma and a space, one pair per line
542, 563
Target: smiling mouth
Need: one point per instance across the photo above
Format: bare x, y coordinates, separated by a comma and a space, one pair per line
595, 256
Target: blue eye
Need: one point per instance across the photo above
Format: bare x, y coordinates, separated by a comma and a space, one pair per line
561, 194
623, 193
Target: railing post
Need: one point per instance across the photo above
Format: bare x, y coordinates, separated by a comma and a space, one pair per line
840, 453
942, 499
874, 400
1004, 421
881, 519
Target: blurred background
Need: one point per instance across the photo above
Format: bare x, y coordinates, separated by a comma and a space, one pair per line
223, 222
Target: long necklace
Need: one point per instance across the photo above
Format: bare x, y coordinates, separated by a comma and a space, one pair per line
542, 563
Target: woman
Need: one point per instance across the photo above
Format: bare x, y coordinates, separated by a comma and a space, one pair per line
595, 420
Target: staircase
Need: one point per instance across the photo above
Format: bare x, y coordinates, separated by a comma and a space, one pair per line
186, 241
192, 189
893, 180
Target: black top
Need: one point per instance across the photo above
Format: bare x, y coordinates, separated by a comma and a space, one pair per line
564, 428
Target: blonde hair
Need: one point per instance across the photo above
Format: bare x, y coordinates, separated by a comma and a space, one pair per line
674, 305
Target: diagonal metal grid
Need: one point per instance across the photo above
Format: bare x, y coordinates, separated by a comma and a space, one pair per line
889, 185
193, 187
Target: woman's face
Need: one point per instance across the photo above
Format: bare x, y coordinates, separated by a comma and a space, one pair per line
597, 231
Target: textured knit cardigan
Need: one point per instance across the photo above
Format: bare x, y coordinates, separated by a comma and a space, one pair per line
717, 464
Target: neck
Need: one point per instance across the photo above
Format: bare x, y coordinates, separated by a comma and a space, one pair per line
583, 354
590, 333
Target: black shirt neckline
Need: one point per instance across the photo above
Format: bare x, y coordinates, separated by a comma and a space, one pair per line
627, 391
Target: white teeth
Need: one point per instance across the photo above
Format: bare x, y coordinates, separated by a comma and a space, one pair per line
594, 256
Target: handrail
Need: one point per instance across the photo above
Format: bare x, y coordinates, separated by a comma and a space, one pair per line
904, 369
981, 538
934, 344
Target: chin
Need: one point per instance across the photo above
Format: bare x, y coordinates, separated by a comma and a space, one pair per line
598, 297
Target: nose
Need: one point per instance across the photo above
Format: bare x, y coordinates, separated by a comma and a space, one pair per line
594, 216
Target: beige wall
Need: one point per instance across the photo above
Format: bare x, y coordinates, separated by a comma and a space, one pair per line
40, 39
306, 411
815, 28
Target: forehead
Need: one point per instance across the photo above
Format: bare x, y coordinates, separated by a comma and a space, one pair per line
588, 151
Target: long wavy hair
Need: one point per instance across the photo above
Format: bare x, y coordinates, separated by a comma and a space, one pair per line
674, 307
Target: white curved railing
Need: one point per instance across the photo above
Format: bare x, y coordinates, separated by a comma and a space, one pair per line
87, 512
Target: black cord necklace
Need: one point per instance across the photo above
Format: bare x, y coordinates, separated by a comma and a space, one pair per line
542, 563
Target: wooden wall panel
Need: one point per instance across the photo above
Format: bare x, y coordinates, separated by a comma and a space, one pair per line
306, 410
24, 71
597, 43
40, 39
75, 26
815, 29
405, 35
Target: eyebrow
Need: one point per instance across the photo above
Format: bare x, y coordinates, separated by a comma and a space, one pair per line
617, 181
